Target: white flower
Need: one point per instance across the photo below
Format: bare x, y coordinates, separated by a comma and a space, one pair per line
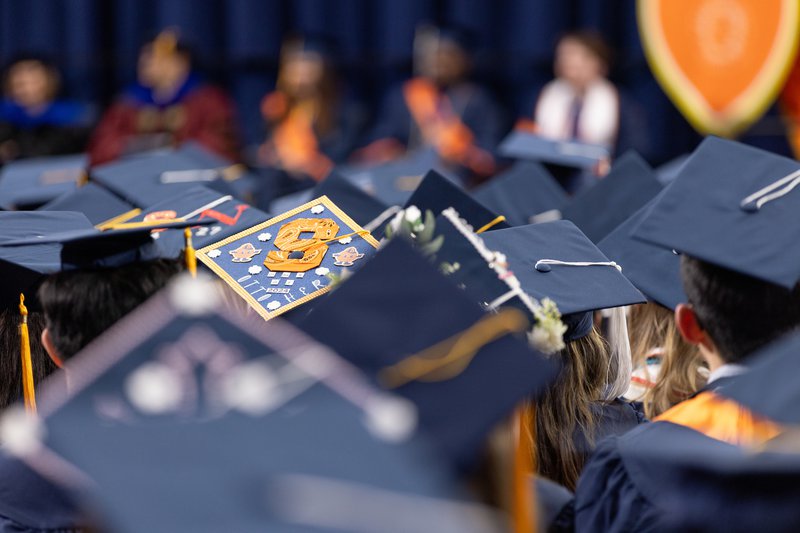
264, 237
154, 388
322, 271
251, 388
346, 240
193, 297
397, 219
546, 340
255, 269
21, 433
412, 213
391, 418
213, 254
317, 209
273, 305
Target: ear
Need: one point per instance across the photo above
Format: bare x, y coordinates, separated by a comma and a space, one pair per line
689, 327
50, 348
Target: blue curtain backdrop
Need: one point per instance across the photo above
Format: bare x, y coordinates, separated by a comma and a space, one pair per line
237, 43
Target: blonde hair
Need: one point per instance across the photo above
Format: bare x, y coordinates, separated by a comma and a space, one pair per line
653, 326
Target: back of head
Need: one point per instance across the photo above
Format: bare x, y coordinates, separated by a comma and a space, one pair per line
740, 313
79, 305
10, 359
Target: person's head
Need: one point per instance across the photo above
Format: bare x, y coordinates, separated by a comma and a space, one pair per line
731, 315
10, 357
164, 63
31, 82
79, 305
443, 56
564, 413
582, 57
652, 328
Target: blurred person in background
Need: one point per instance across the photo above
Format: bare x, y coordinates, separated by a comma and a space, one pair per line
169, 104
440, 108
311, 124
33, 121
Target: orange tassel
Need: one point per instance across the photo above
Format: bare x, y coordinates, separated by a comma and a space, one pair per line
28, 387
189, 254
523, 511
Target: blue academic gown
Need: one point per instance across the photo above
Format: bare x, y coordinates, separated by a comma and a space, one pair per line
30, 504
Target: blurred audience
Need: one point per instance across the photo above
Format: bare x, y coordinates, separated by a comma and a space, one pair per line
170, 104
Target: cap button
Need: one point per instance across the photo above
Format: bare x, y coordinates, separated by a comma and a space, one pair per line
543, 267
749, 207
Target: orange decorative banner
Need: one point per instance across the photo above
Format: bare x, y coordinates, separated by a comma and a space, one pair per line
723, 62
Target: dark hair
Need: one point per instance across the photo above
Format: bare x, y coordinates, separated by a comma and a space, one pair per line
740, 313
10, 362
592, 41
79, 305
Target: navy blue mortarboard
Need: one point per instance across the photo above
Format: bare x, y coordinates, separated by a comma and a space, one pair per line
146, 179
736, 207
223, 216
30, 183
286, 261
98, 204
653, 270
400, 321
769, 387
437, 193
574, 154
599, 209
22, 268
216, 422
523, 191
670, 170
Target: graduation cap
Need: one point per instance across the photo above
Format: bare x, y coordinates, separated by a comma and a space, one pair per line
690, 482
30, 183
734, 206
653, 270
223, 216
573, 154
213, 421
521, 192
437, 193
416, 333
670, 170
146, 179
599, 209
98, 204
289, 259
769, 387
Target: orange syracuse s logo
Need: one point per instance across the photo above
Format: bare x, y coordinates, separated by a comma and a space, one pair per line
722, 62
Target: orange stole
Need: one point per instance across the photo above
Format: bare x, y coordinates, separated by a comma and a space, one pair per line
295, 142
721, 419
443, 129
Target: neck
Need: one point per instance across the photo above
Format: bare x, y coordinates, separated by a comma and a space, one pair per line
712, 358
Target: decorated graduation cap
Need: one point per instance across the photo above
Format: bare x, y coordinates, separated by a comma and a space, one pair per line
417, 334
221, 216
30, 183
520, 193
629, 185
100, 206
769, 387
573, 154
185, 403
734, 206
146, 179
290, 259
653, 270
437, 193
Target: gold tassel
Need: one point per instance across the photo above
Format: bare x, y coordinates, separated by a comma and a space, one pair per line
189, 255
523, 510
28, 388
492, 224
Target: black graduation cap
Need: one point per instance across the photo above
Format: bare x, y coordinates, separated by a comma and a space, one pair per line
360, 206
599, 209
148, 178
770, 387
653, 270
399, 320
212, 421
573, 154
521, 192
23, 268
97, 203
436, 193
734, 206
30, 183
222, 215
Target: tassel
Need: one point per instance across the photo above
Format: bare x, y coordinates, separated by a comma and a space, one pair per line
523, 510
28, 388
189, 255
